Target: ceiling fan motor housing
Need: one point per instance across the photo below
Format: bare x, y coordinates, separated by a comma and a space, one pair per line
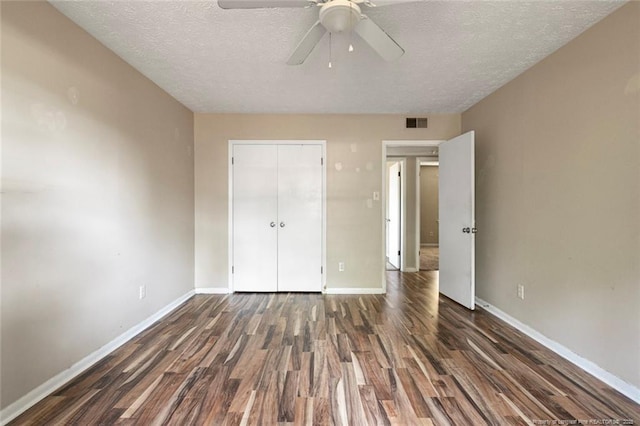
340, 16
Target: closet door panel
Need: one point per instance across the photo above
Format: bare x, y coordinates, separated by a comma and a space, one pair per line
299, 218
255, 216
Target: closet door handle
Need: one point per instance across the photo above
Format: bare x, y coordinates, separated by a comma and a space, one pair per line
273, 224
281, 224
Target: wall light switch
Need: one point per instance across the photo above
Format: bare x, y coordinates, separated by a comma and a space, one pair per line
376, 196
521, 291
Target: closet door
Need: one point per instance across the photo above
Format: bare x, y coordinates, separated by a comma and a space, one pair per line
299, 217
255, 216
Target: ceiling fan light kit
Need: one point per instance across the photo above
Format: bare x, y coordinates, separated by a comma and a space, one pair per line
335, 16
339, 16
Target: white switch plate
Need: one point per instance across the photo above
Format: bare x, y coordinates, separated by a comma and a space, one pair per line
341, 266
521, 291
376, 196
142, 291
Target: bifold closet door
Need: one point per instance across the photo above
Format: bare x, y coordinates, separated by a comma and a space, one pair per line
299, 217
255, 216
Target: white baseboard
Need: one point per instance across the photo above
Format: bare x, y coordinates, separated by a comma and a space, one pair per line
410, 270
354, 291
36, 395
429, 245
212, 290
615, 382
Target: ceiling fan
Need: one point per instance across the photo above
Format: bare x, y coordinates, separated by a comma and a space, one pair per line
335, 16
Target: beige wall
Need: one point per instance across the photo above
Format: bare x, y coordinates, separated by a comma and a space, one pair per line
410, 243
354, 231
429, 205
558, 194
97, 196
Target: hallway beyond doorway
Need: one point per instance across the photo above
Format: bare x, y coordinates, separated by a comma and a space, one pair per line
429, 258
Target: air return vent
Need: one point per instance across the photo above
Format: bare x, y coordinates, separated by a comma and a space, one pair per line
417, 123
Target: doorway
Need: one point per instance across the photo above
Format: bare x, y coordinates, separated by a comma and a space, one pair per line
428, 214
407, 153
456, 215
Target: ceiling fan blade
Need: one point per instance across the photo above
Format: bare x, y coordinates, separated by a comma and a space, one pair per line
379, 40
306, 45
380, 3
262, 4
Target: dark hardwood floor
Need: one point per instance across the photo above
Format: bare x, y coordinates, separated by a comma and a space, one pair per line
406, 358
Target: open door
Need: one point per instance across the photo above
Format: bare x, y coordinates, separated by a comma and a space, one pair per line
393, 216
457, 219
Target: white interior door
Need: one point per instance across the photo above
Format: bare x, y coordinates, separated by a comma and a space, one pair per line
255, 218
457, 219
299, 218
393, 219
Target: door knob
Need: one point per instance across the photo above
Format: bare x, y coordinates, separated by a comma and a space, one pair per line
466, 230
272, 224
281, 224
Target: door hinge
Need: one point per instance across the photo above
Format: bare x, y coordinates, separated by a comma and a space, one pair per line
232, 161
321, 270
398, 252
233, 269
398, 174
321, 161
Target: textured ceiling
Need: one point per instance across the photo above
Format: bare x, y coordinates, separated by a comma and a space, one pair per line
214, 60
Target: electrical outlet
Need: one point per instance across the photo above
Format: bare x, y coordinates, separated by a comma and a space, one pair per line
521, 291
142, 291
341, 266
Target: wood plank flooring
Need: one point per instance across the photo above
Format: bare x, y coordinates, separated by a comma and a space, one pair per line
404, 358
429, 258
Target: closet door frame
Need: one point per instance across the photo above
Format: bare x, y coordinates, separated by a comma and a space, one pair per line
323, 145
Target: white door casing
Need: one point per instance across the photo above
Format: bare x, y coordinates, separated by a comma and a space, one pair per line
393, 219
457, 219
